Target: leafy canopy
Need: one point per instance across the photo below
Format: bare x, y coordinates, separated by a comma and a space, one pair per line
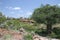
46, 14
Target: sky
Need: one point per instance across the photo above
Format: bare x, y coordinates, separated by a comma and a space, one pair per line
23, 8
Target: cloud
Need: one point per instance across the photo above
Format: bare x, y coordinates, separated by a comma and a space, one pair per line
58, 4
14, 8
24, 14
27, 14
18, 12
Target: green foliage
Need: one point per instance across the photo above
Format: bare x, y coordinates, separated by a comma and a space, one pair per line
2, 18
56, 30
41, 32
12, 24
28, 37
28, 27
7, 37
46, 13
55, 33
16, 25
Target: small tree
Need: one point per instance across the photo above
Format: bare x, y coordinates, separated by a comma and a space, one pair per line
48, 15
2, 18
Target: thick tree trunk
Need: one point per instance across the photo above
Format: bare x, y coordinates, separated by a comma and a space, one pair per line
49, 28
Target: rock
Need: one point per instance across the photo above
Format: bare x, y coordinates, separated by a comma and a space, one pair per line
37, 37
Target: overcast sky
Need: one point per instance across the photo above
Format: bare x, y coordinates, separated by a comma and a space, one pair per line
22, 8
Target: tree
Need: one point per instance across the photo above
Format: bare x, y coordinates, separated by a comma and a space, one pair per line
48, 15
2, 18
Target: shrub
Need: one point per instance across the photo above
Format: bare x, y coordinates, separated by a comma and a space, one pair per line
41, 32
28, 37
55, 32
7, 37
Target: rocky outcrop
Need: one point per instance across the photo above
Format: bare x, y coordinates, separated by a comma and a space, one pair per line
37, 37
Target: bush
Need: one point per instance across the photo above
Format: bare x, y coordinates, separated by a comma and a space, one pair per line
56, 30
7, 37
41, 32
55, 33
28, 37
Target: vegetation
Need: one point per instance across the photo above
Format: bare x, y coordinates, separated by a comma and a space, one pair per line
28, 37
2, 18
48, 15
7, 37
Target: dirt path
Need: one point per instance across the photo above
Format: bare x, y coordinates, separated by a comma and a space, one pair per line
10, 35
